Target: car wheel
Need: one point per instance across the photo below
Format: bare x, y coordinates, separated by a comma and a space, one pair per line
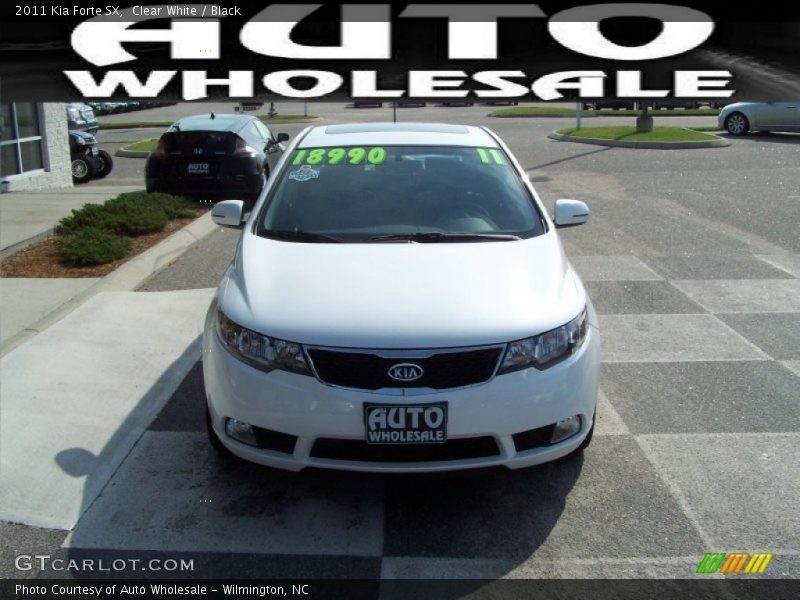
104, 164
737, 124
213, 439
253, 198
83, 169
588, 439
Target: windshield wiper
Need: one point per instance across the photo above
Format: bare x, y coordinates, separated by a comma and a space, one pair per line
299, 236
438, 236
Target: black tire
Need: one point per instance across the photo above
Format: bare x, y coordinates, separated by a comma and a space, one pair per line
737, 124
213, 439
588, 439
83, 169
252, 198
104, 164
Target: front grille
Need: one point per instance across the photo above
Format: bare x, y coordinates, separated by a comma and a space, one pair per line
359, 450
367, 371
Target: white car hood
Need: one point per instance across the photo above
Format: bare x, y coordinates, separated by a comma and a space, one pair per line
401, 295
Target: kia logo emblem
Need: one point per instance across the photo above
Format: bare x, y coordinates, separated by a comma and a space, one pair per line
406, 372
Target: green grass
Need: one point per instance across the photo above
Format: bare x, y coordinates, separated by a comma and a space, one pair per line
165, 124
550, 111
535, 111
711, 128
628, 134
143, 146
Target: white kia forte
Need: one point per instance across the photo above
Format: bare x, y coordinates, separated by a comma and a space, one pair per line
400, 301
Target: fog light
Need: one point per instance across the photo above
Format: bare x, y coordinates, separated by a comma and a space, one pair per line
566, 428
240, 431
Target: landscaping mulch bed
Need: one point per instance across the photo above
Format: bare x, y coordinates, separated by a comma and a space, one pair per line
41, 259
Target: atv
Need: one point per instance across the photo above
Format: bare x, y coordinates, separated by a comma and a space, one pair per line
88, 162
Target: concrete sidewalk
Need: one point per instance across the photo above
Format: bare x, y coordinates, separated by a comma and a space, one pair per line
28, 216
77, 397
24, 302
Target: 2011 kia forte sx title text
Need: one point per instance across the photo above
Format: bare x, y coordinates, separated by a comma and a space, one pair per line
400, 301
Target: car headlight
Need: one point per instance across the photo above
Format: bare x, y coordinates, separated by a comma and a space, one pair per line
542, 351
260, 351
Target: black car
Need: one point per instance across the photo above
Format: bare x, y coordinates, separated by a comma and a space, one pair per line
88, 162
214, 155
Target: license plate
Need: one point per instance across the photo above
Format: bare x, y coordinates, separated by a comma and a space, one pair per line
406, 423
197, 169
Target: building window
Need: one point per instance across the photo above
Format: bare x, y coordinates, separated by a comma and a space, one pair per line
20, 138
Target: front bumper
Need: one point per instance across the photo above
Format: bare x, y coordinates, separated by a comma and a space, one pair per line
304, 407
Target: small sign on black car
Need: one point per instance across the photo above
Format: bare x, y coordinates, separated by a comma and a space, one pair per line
197, 168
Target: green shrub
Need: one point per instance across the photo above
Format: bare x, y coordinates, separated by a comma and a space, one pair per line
92, 246
134, 216
131, 213
176, 207
89, 215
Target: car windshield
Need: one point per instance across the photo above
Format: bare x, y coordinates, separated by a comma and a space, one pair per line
396, 193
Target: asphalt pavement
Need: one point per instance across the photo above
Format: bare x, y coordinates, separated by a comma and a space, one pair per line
692, 259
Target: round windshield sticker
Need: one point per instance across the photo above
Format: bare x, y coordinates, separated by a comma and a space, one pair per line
304, 173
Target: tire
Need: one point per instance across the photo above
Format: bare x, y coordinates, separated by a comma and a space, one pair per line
737, 124
213, 439
250, 202
83, 169
588, 439
104, 164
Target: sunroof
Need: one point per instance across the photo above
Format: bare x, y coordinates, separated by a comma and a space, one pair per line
395, 127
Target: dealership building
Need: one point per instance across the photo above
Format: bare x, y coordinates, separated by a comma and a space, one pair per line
34, 146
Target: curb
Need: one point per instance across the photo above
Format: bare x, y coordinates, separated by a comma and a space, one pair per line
131, 153
22, 244
125, 278
593, 116
717, 143
543, 116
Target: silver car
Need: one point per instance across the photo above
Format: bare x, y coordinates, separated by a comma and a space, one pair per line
743, 117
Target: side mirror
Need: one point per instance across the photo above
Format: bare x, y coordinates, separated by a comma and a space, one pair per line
228, 213
282, 137
568, 213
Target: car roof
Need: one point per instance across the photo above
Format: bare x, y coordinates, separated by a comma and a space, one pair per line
398, 134
221, 122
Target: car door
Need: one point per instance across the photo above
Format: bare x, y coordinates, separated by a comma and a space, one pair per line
778, 116
790, 117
